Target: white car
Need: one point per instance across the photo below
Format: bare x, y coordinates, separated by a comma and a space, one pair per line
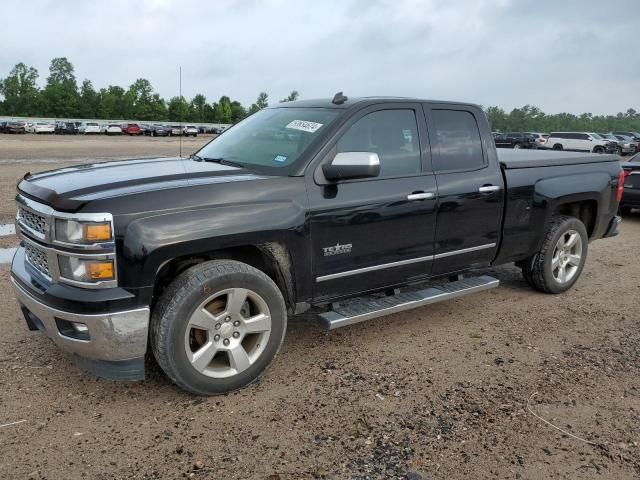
113, 129
580, 142
89, 127
540, 138
190, 130
39, 127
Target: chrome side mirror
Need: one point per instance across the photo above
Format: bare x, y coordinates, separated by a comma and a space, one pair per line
351, 165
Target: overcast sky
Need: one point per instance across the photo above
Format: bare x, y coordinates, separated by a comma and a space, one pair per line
574, 56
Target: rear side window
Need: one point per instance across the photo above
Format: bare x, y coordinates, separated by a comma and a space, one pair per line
392, 134
457, 141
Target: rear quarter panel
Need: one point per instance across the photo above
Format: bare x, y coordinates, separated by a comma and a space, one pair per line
535, 194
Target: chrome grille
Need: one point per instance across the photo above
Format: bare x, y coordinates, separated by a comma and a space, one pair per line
31, 220
37, 258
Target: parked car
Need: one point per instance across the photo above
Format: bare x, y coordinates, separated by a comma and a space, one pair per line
214, 251
16, 127
113, 129
539, 138
3, 126
581, 142
627, 144
131, 129
175, 130
631, 194
634, 135
159, 131
88, 128
515, 140
190, 130
66, 128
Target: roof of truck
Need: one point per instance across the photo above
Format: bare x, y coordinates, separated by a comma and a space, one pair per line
361, 101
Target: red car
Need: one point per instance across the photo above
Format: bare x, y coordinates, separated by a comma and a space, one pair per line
131, 129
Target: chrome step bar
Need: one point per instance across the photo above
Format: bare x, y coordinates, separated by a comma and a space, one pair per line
365, 308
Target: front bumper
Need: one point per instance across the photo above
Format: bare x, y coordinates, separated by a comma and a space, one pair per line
630, 197
111, 345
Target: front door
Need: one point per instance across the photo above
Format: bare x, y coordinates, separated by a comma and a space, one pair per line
376, 232
470, 189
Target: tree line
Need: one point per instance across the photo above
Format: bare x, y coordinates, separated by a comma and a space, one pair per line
62, 97
532, 119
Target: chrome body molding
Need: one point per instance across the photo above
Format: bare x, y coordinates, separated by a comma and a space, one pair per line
113, 336
383, 266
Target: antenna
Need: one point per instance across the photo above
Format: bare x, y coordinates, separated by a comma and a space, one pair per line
180, 110
339, 98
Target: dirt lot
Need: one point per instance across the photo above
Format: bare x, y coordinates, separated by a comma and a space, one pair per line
441, 392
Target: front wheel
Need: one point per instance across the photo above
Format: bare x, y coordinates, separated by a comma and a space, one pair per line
556, 267
218, 326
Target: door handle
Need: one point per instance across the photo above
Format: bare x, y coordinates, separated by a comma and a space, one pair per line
420, 196
489, 188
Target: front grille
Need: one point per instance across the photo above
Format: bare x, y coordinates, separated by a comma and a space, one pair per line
35, 222
37, 258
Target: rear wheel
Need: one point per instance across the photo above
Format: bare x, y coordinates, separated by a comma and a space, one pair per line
218, 326
517, 146
598, 150
557, 146
556, 267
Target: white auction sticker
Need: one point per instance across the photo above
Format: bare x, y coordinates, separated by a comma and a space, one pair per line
303, 125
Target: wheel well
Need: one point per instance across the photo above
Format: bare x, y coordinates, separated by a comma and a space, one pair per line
271, 258
584, 210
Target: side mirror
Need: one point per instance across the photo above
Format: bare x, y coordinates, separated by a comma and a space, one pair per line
349, 165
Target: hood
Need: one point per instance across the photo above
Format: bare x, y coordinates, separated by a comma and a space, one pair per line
68, 189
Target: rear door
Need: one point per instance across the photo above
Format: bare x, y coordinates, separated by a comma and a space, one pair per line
470, 189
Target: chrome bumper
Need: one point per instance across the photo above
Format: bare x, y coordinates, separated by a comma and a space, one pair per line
112, 337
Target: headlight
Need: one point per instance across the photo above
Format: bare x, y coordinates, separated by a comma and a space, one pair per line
86, 270
87, 233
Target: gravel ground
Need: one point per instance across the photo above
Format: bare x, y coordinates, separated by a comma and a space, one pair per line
453, 390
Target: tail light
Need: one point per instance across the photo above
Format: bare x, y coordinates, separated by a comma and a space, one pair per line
621, 176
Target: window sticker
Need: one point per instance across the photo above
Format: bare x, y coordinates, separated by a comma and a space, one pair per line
280, 158
303, 125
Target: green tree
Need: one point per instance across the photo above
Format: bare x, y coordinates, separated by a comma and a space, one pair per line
263, 100
178, 108
140, 100
20, 92
89, 104
60, 95
293, 96
238, 112
113, 103
197, 108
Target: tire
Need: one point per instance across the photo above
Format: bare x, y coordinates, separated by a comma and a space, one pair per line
598, 150
179, 347
539, 271
517, 146
557, 146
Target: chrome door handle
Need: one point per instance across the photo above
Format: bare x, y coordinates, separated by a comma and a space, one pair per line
420, 196
489, 188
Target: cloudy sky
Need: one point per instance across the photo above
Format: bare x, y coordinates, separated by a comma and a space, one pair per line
573, 56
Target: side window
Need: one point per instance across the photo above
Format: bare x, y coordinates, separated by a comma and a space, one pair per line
584, 136
392, 134
457, 140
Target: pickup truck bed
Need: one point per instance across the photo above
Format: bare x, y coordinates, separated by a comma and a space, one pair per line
548, 158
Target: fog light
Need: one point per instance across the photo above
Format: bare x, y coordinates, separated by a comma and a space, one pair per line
79, 327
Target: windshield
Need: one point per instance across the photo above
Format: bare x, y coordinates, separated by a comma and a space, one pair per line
271, 139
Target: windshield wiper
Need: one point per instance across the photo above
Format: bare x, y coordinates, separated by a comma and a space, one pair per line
195, 157
223, 161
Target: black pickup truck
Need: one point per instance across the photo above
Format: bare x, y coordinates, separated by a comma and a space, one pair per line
515, 140
343, 207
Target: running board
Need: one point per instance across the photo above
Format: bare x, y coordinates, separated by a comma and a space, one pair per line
365, 308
